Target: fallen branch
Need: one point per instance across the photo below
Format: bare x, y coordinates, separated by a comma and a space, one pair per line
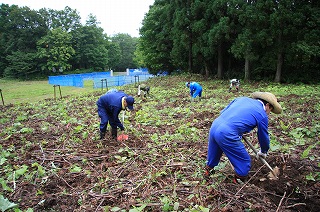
102, 195
297, 204
281, 201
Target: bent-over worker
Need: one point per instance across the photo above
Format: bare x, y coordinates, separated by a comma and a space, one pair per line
109, 107
234, 83
241, 116
144, 88
195, 89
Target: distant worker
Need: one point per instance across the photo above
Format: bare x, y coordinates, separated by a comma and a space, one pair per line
109, 107
241, 116
195, 90
144, 88
234, 83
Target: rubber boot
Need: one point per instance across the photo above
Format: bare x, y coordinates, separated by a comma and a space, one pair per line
208, 172
114, 133
239, 179
102, 134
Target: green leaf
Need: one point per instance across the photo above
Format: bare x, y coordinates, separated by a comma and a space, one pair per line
310, 177
21, 171
4, 185
5, 204
75, 169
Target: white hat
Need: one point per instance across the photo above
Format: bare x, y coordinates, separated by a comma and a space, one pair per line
270, 98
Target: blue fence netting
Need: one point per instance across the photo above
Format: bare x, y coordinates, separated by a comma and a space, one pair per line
119, 80
101, 79
76, 80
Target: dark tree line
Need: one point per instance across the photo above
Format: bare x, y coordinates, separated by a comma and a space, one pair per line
269, 39
38, 43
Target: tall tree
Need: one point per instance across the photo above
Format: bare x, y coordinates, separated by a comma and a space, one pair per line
56, 50
155, 40
90, 45
127, 46
220, 31
20, 29
68, 19
252, 33
182, 34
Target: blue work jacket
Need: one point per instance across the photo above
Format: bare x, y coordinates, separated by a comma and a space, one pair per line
112, 103
241, 116
194, 87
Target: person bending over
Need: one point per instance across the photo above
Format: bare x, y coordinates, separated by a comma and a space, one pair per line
109, 106
241, 116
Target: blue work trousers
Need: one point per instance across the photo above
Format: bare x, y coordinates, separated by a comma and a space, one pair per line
105, 119
222, 140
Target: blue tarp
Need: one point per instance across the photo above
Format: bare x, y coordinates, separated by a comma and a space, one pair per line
76, 80
100, 79
138, 71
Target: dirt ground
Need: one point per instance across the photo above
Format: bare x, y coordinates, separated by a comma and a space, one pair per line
148, 173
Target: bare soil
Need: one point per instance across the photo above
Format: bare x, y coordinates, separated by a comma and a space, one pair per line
150, 172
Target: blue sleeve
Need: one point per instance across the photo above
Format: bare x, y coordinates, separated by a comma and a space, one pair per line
191, 89
263, 135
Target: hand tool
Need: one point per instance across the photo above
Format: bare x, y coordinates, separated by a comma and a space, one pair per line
261, 159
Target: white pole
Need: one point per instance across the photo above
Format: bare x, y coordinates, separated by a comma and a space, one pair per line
123, 118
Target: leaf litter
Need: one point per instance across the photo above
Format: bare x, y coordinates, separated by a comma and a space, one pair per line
160, 166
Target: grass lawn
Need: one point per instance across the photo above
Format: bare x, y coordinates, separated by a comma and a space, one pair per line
14, 91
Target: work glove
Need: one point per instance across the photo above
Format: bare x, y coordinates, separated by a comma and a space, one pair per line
261, 155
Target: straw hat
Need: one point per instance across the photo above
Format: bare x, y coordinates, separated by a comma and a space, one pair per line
269, 97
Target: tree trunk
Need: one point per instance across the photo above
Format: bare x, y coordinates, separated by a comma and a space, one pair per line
190, 62
206, 70
220, 59
247, 69
279, 67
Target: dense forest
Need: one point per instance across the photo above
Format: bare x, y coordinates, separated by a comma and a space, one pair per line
47, 42
259, 40
270, 39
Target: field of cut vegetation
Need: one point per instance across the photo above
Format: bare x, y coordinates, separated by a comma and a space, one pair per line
52, 160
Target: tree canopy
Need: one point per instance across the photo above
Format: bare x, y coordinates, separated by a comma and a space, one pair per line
259, 40
34, 43
272, 40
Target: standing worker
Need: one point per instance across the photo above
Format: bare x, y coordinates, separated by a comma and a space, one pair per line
241, 116
109, 107
234, 83
195, 90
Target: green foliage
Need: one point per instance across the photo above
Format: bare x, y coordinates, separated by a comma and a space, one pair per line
75, 169
56, 50
45, 42
5, 204
138, 209
167, 142
219, 38
126, 45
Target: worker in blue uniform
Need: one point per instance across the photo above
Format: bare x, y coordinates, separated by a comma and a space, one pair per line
195, 90
241, 116
109, 107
